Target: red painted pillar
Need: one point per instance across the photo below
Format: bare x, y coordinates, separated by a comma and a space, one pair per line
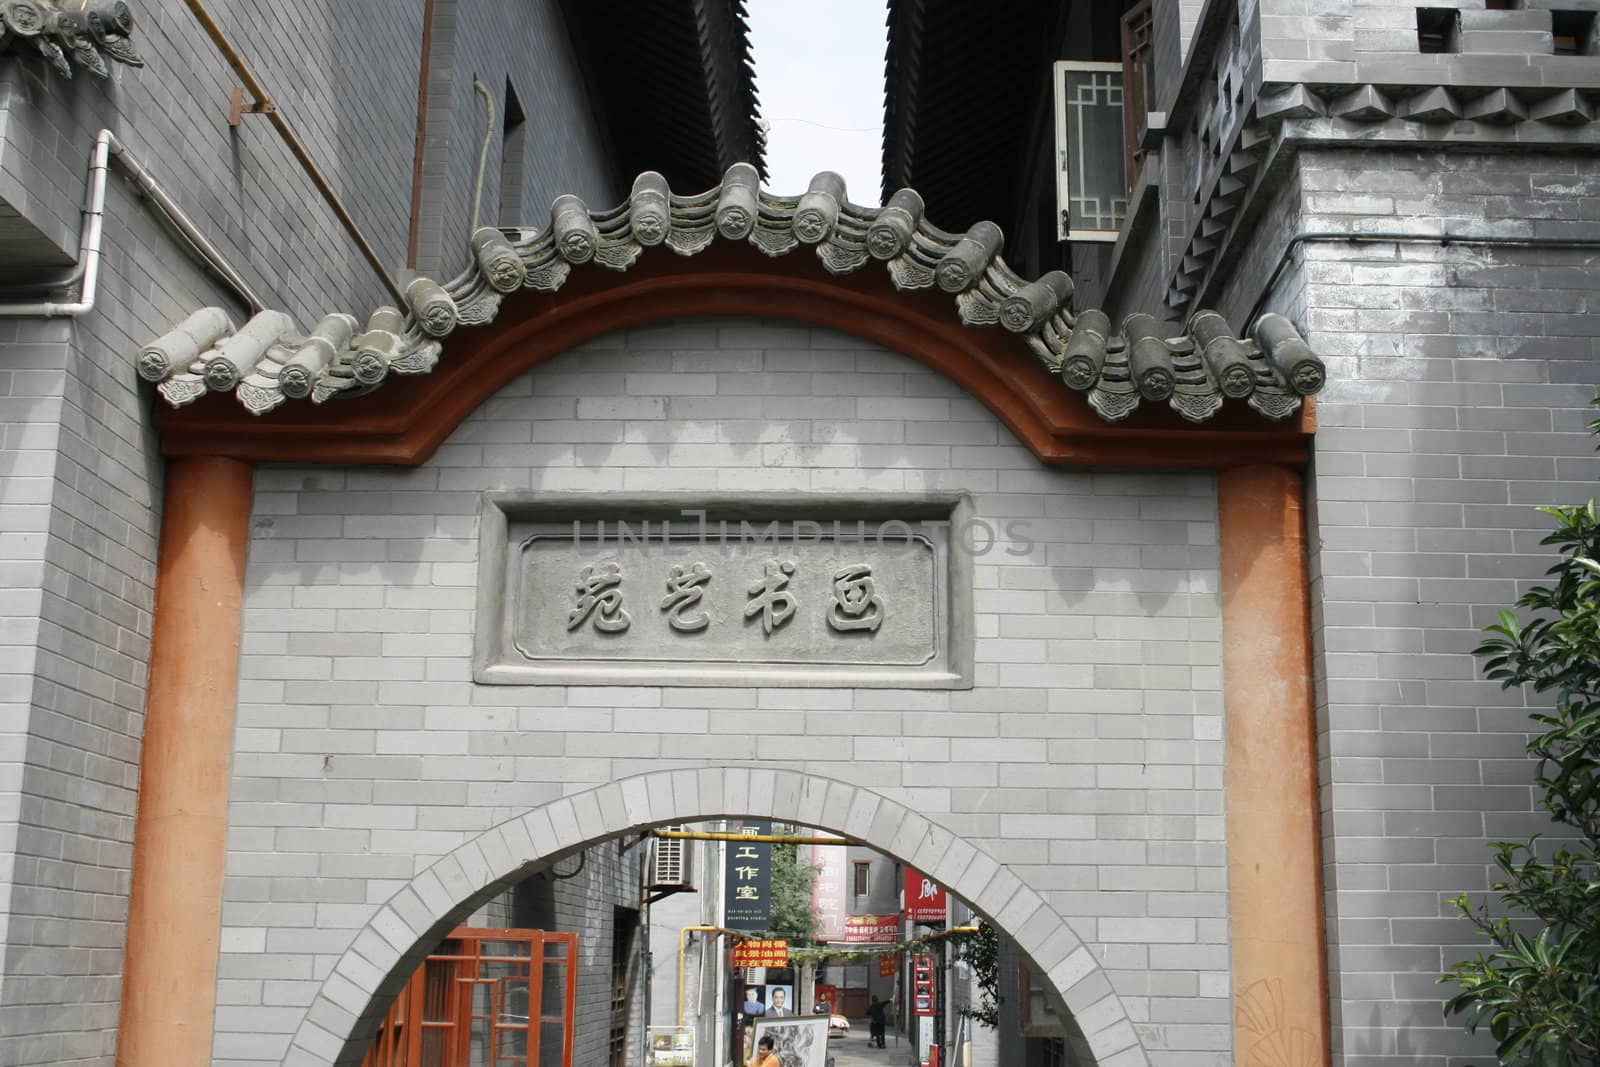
1270, 780
169, 974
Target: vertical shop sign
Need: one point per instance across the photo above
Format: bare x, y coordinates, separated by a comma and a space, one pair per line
747, 880
922, 992
925, 898
828, 891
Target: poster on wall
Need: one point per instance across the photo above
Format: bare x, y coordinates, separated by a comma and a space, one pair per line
671, 1046
798, 1042
780, 1001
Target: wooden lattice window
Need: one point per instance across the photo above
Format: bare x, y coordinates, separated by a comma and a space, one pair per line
495, 998
625, 923
1138, 34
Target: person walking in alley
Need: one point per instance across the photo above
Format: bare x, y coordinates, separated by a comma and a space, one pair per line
875, 1022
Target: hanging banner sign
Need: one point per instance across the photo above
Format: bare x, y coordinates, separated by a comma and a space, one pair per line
925, 898
772, 953
888, 963
871, 929
827, 892
747, 880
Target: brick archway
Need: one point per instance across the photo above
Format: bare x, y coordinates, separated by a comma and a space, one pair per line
383, 954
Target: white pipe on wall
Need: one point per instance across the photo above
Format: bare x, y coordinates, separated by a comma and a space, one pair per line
106, 150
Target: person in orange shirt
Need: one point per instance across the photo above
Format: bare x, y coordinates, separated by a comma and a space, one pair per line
765, 1057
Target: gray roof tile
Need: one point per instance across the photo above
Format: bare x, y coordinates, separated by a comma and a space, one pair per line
268, 361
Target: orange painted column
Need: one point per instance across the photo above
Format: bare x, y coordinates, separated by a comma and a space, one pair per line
169, 974
1270, 781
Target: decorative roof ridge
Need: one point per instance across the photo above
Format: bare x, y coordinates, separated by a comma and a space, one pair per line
88, 31
268, 361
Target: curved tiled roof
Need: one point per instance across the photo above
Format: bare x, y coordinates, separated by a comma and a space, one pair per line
268, 361
89, 31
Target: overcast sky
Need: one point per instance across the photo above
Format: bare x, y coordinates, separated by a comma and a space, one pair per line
819, 72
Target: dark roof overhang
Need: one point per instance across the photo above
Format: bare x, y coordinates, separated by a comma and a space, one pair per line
674, 84
964, 85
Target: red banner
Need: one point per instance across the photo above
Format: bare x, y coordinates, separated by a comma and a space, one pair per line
888, 963
871, 929
761, 954
925, 898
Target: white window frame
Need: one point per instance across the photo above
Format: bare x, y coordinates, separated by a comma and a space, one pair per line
1063, 170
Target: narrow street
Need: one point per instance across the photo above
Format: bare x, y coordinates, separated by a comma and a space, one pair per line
853, 1051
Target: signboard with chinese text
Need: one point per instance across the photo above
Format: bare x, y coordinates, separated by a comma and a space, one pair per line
925, 898
888, 963
871, 929
734, 592
747, 880
827, 891
761, 953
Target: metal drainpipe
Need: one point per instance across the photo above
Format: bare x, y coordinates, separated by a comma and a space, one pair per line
1443, 240
108, 149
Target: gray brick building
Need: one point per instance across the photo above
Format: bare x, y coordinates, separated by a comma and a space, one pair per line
1414, 191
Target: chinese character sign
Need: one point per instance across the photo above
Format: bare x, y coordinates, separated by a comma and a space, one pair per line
925, 898
827, 891
747, 880
871, 929
742, 598
759, 953
888, 963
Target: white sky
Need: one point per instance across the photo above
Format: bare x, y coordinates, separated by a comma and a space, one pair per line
819, 64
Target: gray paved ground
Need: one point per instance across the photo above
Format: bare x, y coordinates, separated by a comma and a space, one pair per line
853, 1051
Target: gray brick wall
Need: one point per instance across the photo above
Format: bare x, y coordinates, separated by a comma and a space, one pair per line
1375, 41
527, 44
1460, 380
78, 511
1087, 758
79, 476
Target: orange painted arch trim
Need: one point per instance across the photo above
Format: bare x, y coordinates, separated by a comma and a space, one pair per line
407, 419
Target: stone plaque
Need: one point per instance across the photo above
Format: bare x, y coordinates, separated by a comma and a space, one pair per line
658, 590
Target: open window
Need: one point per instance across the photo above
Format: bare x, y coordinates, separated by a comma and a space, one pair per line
1091, 151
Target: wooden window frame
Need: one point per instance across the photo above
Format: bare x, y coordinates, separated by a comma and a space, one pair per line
399, 1041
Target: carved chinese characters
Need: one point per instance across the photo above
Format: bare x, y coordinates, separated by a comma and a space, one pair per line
736, 596
684, 590
770, 599
855, 605
597, 588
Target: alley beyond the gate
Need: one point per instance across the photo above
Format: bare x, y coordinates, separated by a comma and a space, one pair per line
853, 1051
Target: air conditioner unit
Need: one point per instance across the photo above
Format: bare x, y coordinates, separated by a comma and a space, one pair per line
1091, 151
673, 865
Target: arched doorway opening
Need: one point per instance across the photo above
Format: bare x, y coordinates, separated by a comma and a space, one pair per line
383, 956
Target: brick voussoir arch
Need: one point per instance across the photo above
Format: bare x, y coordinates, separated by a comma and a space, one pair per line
351, 1001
